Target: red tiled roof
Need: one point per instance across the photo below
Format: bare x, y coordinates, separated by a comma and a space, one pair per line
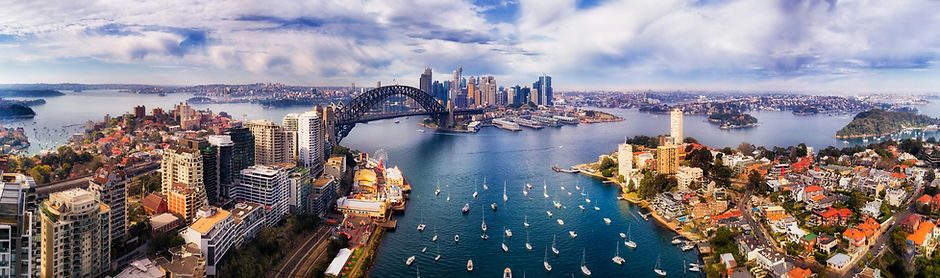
854, 234
924, 199
812, 188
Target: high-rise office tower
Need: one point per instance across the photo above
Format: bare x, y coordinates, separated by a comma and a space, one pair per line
181, 165
310, 142
289, 122
675, 126
473, 92
328, 115
542, 93
489, 89
425, 82
17, 226
243, 153
224, 148
76, 235
109, 187
271, 142
210, 166
266, 185
625, 159
535, 96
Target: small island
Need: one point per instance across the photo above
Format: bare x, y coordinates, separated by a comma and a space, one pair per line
877, 122
732, 120
30, 93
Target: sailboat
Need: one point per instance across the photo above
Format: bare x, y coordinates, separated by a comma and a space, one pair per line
494, 206
475, 193
597, 208
525, 221
657, 270
466, 208
572, 234
421, 225
548, 267
418, 267
469, 265
578, 186
448, 196
528, 186
410, 260
507, 231
438, 191
545, 190
581, 207
424, 249
549, 213
560, 222
438, 253
527, 244
584, 268
525, 192
629, 242
456, 238
483, 223
484, 184
606, 220
617, 259
554, 250
505, 197
586, 199
505, 248
433, 239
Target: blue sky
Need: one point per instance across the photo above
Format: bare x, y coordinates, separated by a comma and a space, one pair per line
792, 45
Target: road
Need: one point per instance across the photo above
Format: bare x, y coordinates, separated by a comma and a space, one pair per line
301, 260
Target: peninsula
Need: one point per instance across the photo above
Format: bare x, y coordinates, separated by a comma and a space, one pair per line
877, 122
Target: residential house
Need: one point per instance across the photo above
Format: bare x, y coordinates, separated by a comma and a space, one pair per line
827, 243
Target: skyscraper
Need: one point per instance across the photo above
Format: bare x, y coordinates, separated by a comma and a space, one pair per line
76, 235
425, 82
224, 148
109, 187
266, 185
16, 233
289, 122
667, 159
271, 142
675, 126
181, 165
243, 153
473, 92
489, 90
625, 159
210, 166
543, 94
310, 142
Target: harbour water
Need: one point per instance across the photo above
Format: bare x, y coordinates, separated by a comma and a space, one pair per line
461, 161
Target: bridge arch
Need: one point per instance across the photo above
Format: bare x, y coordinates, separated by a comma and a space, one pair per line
355, 111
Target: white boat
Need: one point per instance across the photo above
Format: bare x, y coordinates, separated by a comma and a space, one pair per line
525, 221
687, 247
657, 270
448, 196
581, 207
484, 236
507, 273
421, 227
470, 265
606, 220
554, 250
528, 245
694, 268
623, 236
547, 266
508, 233
562, 188
584, 269
433, 239
483, 223
456, 238
572, 234
466, 208
629, 242
493, 206
397, 121
525, 193
528, 186
560, 222
549, 213
425, 249
676, 241
505, 248
557, 204
596, 208
438, 191
410, 260
505, 197
475, 193
544, 190
484, 184
438, 257
617, 259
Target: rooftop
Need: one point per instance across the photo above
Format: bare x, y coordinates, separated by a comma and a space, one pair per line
920, 234
204, 224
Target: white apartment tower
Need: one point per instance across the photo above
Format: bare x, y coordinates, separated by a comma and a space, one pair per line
625, 159
266, 185
183, 165
289, 122
675, 126
310, 142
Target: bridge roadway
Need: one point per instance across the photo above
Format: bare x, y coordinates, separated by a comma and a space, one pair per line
44, 190
382, 116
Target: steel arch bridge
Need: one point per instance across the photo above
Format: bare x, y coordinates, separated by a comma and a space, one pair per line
357, 110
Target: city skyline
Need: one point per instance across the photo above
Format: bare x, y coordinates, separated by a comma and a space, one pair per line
824, 46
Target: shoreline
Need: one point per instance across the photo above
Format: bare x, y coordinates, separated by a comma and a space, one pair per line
631, 198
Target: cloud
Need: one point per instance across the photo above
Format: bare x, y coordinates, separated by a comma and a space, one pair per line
609, 43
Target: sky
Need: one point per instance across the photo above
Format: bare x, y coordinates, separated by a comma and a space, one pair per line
852, 46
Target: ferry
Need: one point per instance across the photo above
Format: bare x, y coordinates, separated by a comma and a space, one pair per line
506, 124
466, 208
